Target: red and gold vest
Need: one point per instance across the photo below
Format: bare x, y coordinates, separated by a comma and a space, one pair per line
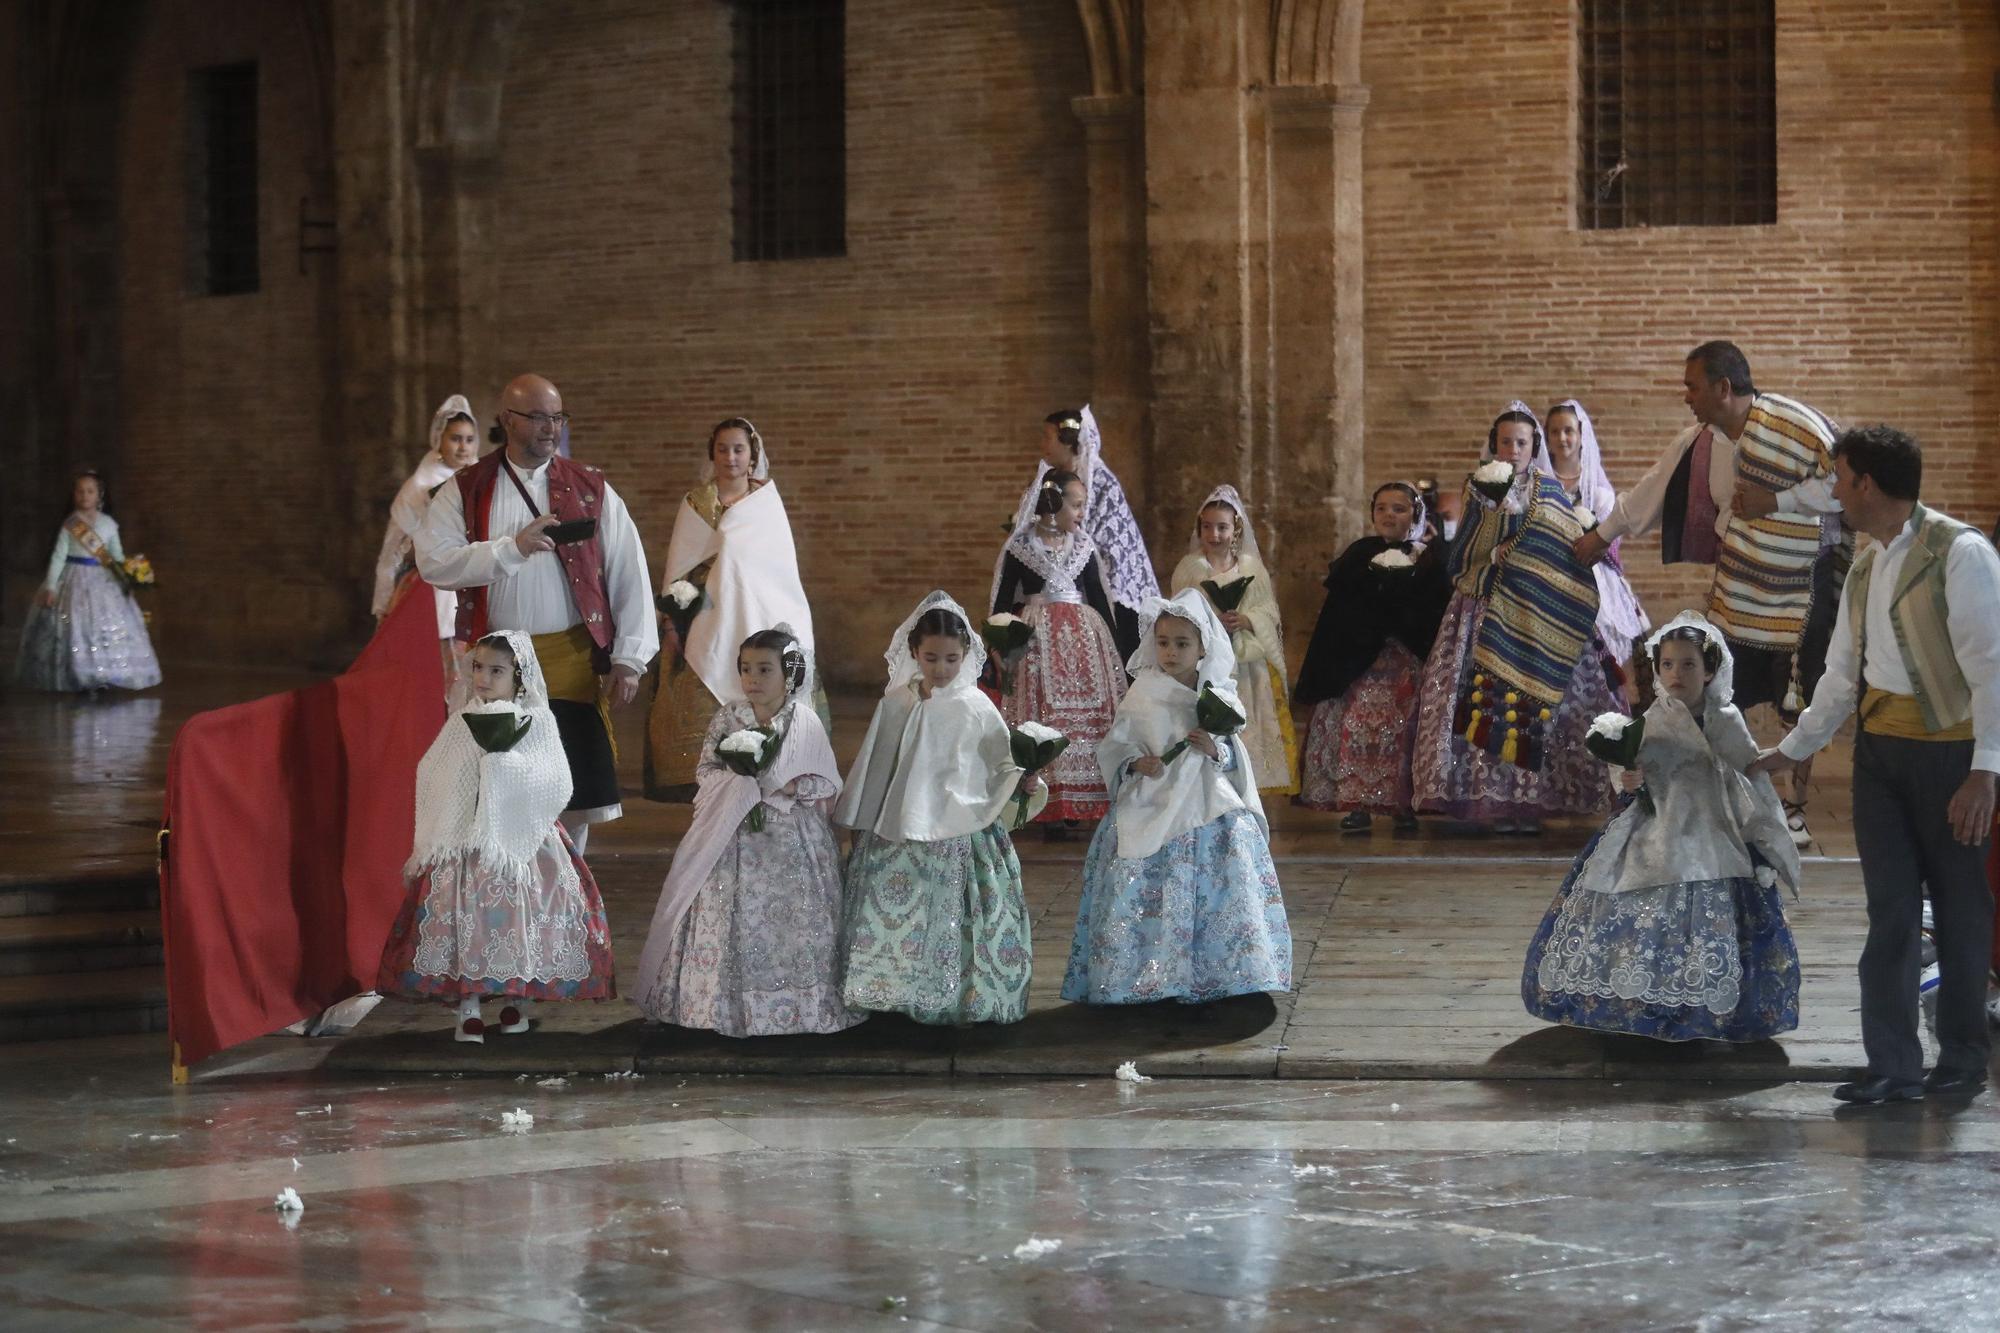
575, 491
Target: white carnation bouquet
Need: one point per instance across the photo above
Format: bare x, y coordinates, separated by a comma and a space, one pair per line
1006, 639
679, 603
749, 752
1035, 747
1392, 561
1493, 480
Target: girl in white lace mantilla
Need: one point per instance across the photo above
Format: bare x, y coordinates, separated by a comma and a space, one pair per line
1070, 676
1670, 923
746, 938
500, 905
936, 926
1222, 550
1180, 897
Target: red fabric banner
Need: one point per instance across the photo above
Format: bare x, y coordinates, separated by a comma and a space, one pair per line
289, 819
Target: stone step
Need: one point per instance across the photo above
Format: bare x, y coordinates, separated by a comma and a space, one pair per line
79, 942
83, 1004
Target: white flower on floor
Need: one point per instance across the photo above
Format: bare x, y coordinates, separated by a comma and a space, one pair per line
684, 594
1129, 1073
1301, 1172
288, 1201
1611, 726
1036, 732
1034, 1247
516, 1121
552, 1083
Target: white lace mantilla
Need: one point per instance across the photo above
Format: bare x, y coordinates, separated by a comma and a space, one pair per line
1059, 567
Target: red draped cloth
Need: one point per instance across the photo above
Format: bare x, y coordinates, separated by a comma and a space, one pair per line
289, 819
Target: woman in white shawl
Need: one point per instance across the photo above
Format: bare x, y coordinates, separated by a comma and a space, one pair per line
1180, 897
1574, 458
1670, 923
746, 938
454, 445
500, 905
936, 926
731, 570
1222, 551
1071, 443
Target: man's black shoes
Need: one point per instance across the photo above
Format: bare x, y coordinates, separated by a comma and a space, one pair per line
1946, 1082
1879, 1088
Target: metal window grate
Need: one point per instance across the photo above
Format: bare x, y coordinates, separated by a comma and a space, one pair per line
1677, 114
790, 153
222, 184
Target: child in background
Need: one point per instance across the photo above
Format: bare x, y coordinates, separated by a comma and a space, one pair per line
1384, 598
500, 906
85, 630
1670, 923
936, 926
1180, 897
746, 938
1223, 550
1069, 677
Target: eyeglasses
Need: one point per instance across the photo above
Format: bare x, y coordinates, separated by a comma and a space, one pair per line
542, 420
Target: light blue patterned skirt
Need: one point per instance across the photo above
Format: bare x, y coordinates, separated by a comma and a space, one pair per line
937, 930
93, 638
1706, 959
1198, 920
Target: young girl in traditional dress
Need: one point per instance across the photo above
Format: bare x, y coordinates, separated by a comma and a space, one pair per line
1180, 898
936, 926
1384, 598
500, 905
1070, 676
1670, 923
1223, 551
85, 630
1578, 465
746, 938
1516, 674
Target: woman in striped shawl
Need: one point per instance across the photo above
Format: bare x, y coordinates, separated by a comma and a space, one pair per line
1516, 674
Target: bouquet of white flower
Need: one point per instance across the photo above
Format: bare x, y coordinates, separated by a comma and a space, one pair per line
1035, 747
1392, 561
1006, 639
1615, 738
497, 724
749, 752
679, 603
1493, 480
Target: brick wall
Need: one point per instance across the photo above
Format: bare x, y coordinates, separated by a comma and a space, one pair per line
225, 471
901, 389
1872, 298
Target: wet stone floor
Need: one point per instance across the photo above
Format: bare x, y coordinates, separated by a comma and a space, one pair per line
732, 1202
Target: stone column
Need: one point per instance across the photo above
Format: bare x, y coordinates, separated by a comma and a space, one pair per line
1316, 295
1121, 357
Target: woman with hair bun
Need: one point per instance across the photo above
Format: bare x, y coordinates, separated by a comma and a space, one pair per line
731, 570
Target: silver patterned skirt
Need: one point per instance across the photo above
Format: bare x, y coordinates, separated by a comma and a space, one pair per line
93, 638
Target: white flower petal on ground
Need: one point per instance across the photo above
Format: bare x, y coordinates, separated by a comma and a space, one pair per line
288, 1201
1129, 1073
1611, 726
1038, 733
517, 1121
552, 1083
1034, 1247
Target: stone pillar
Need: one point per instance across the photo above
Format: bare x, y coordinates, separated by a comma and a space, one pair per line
1199, 263
1316, 294
372, 206
1121, 357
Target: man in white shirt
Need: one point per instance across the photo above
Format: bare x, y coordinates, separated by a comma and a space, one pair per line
1919, 659
581, 590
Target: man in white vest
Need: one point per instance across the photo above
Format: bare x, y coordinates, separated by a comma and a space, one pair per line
1916, 652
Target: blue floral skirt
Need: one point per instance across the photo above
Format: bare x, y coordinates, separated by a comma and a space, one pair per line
1198, 920
1709, 958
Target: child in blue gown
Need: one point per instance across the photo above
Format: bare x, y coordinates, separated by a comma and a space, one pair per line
1670, 923
1180, 898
